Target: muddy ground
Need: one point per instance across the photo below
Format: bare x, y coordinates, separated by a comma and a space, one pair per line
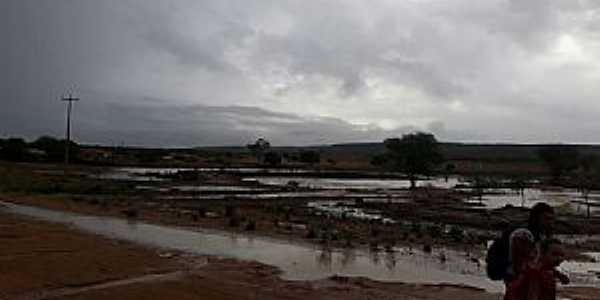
49, 261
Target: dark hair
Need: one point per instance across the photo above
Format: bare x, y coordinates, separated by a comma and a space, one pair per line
534, 216
547, 243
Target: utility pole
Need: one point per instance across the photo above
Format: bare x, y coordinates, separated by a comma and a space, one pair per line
70, 101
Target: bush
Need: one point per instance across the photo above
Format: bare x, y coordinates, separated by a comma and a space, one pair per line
229, 211
13, 149
427, 248
233, 222
130, 213
456, 234
250, 226
311, 234
434, 231
416, 228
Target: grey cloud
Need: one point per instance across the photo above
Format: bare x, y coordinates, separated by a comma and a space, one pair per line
211, 72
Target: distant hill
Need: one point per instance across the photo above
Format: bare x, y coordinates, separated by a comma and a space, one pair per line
460, 151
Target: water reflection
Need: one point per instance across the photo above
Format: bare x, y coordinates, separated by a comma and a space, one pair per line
390, 260
297, 262
569, 200
325, 258
374, 256
348, 257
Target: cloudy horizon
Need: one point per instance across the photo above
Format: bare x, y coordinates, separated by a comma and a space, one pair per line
208, 73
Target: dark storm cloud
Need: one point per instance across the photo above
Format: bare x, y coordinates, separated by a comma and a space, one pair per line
180, 125
158, 72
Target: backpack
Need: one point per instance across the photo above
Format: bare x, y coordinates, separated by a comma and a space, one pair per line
497, 261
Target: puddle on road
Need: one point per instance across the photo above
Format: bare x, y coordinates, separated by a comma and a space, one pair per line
298, 262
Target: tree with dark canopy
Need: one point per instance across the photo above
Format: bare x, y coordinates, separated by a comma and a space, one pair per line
414, 154
55, 148
259, 148
13, 149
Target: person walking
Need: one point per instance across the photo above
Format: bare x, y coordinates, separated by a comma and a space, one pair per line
519, 248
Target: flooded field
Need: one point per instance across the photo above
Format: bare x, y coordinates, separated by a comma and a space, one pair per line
314, 227
366, 189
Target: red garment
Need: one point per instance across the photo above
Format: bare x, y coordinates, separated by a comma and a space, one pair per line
532, 284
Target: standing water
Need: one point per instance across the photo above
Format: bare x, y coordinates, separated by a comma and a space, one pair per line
297, 262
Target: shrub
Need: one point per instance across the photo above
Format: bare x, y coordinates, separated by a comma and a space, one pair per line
250, 226
233, 222
130, 213
311, 234
229, 211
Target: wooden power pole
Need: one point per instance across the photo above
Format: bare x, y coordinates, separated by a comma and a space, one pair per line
70, 101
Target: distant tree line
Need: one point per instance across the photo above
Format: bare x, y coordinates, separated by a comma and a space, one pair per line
45, 149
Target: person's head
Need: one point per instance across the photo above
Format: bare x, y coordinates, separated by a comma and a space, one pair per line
552, 253
541, 219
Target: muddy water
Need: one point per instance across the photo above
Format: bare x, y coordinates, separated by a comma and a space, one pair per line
341, 209
360, 184
147, 174
568, 199
297, 262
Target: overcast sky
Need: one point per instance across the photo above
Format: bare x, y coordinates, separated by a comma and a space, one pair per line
197, 72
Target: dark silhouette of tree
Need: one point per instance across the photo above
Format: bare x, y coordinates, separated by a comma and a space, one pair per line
414, 154
259, 148
560, 159
310, 157
272, 158
55, 148
14, 149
